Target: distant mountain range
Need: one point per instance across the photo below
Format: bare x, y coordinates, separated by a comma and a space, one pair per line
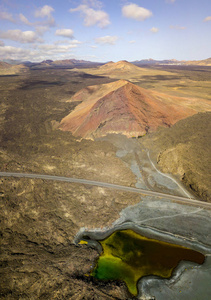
72, 63
205, 62
66, 63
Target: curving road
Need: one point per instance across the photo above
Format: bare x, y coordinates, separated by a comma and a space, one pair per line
168, 176
109, 185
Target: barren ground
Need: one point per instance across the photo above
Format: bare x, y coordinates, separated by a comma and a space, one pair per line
39, 219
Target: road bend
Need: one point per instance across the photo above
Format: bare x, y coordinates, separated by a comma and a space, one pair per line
109, 185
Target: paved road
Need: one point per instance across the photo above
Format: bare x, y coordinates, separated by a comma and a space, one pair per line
109, 185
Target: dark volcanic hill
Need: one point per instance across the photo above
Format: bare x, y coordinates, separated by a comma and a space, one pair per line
66, 63
122, 107
184, 150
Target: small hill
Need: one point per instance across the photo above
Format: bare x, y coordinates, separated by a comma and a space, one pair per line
205, 62
125, 70
8, 69
121, 66
184, 150
122, 107
4, 65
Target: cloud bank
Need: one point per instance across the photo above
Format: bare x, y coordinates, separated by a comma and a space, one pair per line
6, 16
20, 36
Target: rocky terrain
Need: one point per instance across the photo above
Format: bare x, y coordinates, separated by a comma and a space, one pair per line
193, 82
122, 107
184, 150
121, 70
39, 218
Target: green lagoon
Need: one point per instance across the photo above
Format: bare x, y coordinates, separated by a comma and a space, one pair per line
128, 256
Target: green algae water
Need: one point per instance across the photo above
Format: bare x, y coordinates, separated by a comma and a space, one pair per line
128, 256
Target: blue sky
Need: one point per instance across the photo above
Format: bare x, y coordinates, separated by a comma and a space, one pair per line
105, 30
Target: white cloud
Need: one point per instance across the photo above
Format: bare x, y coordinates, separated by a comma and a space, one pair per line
53, 51
132, 42
41, 26
20, 36
93, 3
56, 49
92, 17
170, 1
9, 52
207, 19
41, 29
6, 16
43, 12
42, 52
93, 47
177, 27
133, 11
75, 42
111, 40
25, 20
1, 43
154, 29
46, 23
68, 33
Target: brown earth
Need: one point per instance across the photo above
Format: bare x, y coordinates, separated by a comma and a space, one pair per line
184, 150
4, 65
192, 82
204, 62
122, 70
122, 107
39, 219
7, 69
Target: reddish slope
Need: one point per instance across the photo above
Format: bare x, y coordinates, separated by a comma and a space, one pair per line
120, 107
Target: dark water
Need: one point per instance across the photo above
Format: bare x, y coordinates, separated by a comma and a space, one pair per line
128, 256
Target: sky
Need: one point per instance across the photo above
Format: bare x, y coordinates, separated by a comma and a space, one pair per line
105, 30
